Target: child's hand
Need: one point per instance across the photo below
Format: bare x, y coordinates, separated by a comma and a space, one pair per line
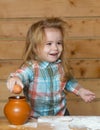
86, 95
11, 83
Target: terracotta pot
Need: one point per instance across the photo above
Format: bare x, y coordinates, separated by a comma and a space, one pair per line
17, 110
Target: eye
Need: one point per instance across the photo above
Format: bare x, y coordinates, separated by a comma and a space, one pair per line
49, 43
59, 43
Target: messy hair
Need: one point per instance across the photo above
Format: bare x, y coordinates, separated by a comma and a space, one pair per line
35, 37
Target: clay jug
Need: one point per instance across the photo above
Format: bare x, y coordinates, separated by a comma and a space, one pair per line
17, 110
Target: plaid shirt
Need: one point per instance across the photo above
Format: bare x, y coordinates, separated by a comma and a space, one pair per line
45, 89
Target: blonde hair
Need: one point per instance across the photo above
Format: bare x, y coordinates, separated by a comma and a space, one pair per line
35, 38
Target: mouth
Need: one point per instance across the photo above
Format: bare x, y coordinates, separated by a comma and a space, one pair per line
54, 54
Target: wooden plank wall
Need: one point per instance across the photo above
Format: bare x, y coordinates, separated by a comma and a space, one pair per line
83, 18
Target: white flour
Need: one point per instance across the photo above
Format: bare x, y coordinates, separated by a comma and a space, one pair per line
31, 124
28, 124
66, 123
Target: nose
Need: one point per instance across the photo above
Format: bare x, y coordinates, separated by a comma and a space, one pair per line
55, 47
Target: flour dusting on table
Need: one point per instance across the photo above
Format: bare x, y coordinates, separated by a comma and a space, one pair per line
92, 123
28, 124
68, 123
63, 123
58, 123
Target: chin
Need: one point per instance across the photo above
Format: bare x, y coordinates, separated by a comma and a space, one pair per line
52, 60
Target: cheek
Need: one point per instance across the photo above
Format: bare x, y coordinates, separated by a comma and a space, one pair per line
45, 49
61, 49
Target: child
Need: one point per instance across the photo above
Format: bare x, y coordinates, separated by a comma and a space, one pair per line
45, 73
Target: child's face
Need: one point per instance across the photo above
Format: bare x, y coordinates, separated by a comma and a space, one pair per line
52, 49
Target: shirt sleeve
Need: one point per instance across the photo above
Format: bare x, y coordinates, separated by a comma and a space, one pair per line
25, 73
73, 86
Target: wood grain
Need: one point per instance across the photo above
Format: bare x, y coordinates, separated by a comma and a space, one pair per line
82, 43
64, 8
81, 68
76, 27
75, 48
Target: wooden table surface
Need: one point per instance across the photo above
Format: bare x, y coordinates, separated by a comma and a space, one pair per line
55, 123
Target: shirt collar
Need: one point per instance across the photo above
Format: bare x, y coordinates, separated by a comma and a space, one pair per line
44, 64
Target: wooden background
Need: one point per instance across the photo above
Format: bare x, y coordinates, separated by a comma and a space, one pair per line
83, 18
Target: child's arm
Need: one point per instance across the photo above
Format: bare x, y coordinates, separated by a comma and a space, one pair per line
86, 95
76, 88
21, 77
